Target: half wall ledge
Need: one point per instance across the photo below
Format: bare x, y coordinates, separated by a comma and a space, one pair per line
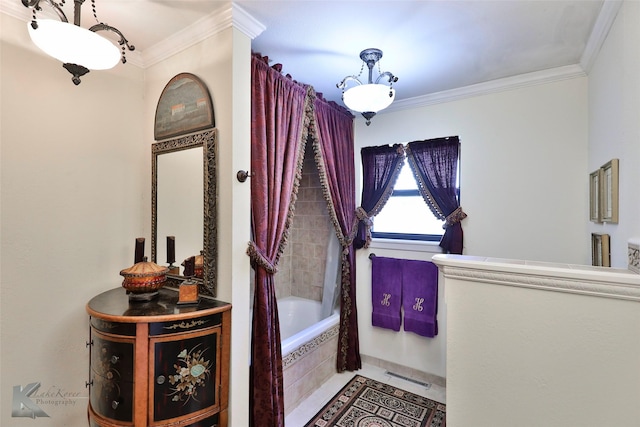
603, 282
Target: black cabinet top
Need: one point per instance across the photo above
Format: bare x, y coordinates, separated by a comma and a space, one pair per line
115, 305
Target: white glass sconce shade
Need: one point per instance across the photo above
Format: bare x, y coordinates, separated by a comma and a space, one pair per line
72, 44
369, 98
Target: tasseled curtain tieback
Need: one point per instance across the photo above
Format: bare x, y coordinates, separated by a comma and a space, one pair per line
454, 217
257, 257
362, 215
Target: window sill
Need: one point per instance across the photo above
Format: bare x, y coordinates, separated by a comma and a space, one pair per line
406, 245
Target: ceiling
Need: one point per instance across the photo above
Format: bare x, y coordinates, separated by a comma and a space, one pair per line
431, 46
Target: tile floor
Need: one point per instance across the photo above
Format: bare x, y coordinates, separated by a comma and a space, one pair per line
310, 406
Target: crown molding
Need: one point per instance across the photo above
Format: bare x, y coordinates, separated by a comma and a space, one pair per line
493, 86
601, 28
229, 15
246, 23
232, 15
599, 33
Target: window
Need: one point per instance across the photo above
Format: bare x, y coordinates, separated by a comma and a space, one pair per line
406, 215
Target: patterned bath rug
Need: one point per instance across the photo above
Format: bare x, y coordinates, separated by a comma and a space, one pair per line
364, 402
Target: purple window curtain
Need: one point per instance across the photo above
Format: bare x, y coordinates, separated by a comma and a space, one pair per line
279, 127
434, 163
333, 140
380, 169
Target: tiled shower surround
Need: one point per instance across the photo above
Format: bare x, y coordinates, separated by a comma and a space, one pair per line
301, 274
302, 265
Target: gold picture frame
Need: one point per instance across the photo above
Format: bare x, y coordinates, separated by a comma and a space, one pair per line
595, 180
609, 192
600, 250
633, 255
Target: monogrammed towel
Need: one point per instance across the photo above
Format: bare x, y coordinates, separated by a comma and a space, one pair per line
420, 297
386, 292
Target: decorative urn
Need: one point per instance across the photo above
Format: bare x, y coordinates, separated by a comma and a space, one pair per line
143, 279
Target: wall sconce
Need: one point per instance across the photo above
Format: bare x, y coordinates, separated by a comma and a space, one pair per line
372, 97
79, 49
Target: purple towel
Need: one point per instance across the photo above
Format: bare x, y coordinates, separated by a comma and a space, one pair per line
420, 297
386, 292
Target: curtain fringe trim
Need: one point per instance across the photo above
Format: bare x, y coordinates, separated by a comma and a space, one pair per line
385, 196
257, 257
454, 217
346, 243
422, 186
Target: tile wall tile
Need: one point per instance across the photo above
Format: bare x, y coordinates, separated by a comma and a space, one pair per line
309, 236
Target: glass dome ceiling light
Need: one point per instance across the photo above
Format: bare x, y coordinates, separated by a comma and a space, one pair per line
371, 97
79, 49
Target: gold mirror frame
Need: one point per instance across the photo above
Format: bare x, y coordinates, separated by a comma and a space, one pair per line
208, 141
609, 192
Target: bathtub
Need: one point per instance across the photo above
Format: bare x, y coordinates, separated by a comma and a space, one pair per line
309, 347
300, 322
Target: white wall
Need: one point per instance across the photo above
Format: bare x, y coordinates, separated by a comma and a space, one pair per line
614, 129
73, 198
222, 62
234, 277
523, 185
530, 345
76, 183
523, 159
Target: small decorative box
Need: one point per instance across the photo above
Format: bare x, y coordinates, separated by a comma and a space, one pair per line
144, 277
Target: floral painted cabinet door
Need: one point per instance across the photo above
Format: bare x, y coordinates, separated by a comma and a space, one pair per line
185, 370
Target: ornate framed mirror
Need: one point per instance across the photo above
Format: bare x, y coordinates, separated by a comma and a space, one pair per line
184, 203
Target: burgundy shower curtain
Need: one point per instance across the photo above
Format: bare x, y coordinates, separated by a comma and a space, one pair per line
279, 126
333, 141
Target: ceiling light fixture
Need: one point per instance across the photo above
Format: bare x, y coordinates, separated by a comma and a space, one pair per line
79, 49
372, 97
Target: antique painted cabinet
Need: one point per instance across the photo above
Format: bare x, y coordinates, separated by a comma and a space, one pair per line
157, 362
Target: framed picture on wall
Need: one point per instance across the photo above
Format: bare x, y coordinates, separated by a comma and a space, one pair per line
609, 192
633, 255
600, 252
184, 107
594, 195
